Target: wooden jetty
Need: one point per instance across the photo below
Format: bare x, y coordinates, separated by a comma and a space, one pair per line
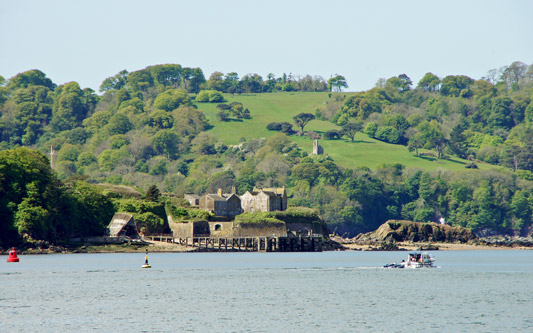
250, 244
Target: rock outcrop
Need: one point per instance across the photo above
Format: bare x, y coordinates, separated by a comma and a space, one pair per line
402, 231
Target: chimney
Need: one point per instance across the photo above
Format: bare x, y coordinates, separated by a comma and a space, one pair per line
219, 192
233, 190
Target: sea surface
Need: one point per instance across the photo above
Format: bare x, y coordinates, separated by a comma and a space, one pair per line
470, 291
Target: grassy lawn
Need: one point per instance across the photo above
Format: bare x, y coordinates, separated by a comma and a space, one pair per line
264, 108
281, 107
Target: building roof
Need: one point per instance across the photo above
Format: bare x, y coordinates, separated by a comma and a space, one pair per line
194, 196
269, 193
118, 222
216, 197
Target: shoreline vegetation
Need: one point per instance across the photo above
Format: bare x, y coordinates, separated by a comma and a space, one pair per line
335, 243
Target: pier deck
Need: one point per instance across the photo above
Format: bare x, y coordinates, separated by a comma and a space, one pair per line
249, 244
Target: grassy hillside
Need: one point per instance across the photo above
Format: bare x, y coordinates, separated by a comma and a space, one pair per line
281, 107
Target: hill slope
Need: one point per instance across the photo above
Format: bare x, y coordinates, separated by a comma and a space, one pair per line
282, 107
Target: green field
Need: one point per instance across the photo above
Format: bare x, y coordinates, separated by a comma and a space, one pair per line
281, 107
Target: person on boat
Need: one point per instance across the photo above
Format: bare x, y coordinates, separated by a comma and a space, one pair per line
146, 258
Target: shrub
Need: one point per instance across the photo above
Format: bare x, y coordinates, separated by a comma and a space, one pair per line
371, 129
222, 116
332, 135
388, 134
287, 128
274, 127
202, 97
209, 96
215, 96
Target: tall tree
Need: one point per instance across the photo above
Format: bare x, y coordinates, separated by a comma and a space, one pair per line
69, 108
430, 82
115, 82
32, 77
337, 82
302, 119
401, 82
350, 129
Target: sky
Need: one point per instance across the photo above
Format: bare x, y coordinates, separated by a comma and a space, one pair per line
89, 41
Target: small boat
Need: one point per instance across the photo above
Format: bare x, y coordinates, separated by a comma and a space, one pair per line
414, 260
146, 266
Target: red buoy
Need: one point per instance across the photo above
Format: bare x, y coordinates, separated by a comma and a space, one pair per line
12, 256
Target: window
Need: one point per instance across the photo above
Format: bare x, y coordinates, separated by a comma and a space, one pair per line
218, 227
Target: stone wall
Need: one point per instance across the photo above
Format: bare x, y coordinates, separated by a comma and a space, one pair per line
221, 228
259, 230
182, 229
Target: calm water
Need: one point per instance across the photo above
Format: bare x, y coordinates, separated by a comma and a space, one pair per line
473, 291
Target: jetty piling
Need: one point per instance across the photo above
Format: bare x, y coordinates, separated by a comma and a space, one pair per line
311, 243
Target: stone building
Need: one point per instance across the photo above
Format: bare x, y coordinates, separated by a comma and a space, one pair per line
264, 200
221, 204
193, 199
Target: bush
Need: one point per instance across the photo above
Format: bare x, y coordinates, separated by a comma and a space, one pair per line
287, 128
222, 116
257, 218
332, 135
202, 97
388, 134
149, 223
215, 96
371, 129
209, 96
274, 127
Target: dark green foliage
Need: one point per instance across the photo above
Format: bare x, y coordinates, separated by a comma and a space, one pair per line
332, 135
172, 99
149, 216
32, 77
456, 86
35, 206
257, 218
167, 142
71, 106
388, 134
153, 194
350, 129
302, 119
430, 82
274, 127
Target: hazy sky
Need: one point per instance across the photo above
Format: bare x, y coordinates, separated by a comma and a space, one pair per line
88, 41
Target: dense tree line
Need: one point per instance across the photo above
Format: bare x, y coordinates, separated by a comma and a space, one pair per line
35, 205
146, 129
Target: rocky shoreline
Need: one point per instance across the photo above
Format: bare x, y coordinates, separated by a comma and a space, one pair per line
334, 243
393, 235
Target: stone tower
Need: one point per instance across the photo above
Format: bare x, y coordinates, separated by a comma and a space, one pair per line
317, 149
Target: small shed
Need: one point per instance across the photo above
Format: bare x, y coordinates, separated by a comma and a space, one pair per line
122, 224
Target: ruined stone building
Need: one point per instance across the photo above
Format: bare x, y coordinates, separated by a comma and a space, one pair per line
221, 204
264, 200
317, 149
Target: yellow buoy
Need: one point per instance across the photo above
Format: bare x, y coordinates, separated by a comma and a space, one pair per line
146, 264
